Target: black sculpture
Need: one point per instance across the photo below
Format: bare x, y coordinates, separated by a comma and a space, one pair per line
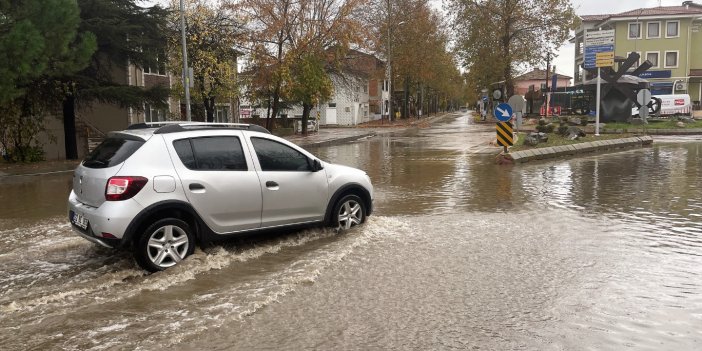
619, 89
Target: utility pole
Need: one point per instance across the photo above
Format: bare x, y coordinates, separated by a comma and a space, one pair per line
388, 64
186, 72
548, 69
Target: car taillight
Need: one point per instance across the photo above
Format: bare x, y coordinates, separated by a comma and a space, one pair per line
122, 188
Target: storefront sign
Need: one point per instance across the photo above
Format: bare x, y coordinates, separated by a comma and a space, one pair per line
656, 74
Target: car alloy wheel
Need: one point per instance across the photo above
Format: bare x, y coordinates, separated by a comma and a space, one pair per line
349, 212
164, 244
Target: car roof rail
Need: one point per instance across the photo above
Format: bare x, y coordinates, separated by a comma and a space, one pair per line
181, 126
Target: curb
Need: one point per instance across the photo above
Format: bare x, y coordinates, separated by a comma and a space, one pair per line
691, 131
334, 141
577, 149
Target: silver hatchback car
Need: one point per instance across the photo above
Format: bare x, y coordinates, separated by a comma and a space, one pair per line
161, 189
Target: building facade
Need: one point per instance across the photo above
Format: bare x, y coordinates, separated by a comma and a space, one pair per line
536, 78
669, 37
358, 97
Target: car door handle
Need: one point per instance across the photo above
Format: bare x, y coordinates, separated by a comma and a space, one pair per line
196, 187
272, 185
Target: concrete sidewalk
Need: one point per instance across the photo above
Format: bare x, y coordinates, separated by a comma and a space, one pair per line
339, 135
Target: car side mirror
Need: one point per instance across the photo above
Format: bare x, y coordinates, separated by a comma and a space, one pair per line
317, 165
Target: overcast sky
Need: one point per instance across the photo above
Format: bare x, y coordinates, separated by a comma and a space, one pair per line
564, 61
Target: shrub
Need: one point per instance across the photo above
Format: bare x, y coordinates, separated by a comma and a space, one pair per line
548, 128
563, 129
26, 154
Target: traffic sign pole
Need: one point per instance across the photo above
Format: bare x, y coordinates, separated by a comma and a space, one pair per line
597, 114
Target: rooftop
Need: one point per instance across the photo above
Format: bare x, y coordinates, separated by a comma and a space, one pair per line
687, 8
539, 74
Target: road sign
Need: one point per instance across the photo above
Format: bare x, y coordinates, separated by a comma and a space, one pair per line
517, 103
599, 37
503, 112
609, 55
604, 59
604, 63
505, 136
643, 97
497, 94
591, 54
595, 42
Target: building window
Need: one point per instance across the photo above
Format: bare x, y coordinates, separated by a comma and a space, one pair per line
332, 104
653, 30
671, 59
158, 68
653, 58
152, 114
672, 29
634, 30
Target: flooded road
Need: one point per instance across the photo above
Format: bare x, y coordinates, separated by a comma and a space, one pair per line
602, 252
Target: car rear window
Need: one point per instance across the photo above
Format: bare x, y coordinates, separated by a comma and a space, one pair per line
112, 151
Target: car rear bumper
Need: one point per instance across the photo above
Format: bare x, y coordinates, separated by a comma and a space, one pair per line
105, 224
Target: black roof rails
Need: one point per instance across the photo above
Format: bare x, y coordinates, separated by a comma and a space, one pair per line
181, 126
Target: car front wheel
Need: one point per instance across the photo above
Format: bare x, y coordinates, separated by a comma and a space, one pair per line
349, 212
164, 244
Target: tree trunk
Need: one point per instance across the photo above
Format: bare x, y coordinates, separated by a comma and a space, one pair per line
306, 108
405, 105
275, 107
69, 127
268, 112
209, 103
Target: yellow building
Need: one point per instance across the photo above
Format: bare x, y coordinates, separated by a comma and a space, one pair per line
669, 37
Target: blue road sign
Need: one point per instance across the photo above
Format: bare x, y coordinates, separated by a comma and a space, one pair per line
503, 112
485, 98
591, 54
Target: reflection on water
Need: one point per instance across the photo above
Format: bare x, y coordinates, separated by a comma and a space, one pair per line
420, 178
26, 198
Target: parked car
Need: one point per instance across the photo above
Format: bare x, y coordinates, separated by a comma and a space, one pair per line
161, 189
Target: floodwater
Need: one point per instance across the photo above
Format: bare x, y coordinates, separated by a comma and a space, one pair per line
602, 252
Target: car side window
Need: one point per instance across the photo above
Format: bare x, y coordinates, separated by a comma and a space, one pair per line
274, 156
223, 153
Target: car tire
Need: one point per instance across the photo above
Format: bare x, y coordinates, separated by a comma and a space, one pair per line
164, 244
348, 212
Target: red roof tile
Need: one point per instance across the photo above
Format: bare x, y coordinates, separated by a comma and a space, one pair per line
538, 74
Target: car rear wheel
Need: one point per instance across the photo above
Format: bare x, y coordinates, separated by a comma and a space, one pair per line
349, 212
164, 244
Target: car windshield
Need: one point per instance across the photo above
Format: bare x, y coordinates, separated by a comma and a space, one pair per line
112, 151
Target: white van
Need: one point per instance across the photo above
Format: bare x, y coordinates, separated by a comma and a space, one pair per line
673, 104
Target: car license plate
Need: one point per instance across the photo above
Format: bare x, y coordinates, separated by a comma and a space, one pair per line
79, 220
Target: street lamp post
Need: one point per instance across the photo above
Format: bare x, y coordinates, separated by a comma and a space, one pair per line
186, 72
